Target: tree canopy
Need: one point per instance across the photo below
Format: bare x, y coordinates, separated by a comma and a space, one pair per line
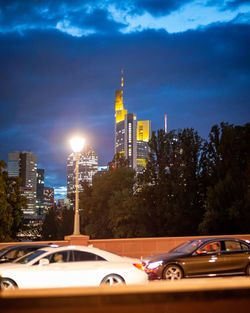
12, 204
190, 186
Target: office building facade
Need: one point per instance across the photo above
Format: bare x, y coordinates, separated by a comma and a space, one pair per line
88, 167
24, 165
130, 148
40, 193
48, 198
143, 137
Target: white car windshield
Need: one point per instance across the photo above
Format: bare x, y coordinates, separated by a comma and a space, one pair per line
29, 257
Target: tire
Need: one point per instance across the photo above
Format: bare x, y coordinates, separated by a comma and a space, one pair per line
113, 279
8, 284
248, 270
172, 272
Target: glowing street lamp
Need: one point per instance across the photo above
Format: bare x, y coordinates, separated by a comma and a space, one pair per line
77, 145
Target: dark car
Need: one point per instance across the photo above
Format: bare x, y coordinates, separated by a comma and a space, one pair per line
200, 258
11, 253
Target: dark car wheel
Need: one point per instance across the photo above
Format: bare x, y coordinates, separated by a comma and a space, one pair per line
113, 279
248, 270
7, 284
172, 272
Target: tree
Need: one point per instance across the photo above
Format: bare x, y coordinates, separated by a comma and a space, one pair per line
66, 222
50, 225
12, 204
98, 204
118, 161
170, 186
226, 163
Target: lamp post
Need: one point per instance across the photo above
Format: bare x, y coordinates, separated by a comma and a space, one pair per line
77, 145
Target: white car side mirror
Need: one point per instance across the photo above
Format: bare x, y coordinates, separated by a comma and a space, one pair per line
44, 262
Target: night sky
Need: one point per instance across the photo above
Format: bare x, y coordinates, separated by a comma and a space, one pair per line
60, 64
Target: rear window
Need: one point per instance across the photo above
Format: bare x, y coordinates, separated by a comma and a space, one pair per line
232, 245
86, 256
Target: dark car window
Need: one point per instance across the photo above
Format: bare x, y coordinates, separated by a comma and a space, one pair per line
211, 247
231, 245
29, 257
58, 257
86, 256
244, 246
11, 254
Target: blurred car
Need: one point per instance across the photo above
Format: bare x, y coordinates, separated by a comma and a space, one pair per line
201, 257
71, 266
11, 253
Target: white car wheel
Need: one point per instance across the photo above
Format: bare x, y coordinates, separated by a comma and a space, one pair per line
113, 279
7, 284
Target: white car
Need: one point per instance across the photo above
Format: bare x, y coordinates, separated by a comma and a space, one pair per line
71, 266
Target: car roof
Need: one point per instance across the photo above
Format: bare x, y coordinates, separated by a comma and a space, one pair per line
25, 245
89, 249
221, 239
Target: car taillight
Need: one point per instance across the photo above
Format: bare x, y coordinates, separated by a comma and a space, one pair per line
139, 266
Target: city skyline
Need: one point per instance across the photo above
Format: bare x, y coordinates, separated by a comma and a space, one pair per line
61, 61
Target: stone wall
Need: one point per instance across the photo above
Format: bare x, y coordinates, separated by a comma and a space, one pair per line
131, 247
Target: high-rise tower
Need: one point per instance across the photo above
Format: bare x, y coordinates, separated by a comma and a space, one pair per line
143, 137
120, 113
88, 167
24, 165
131, 137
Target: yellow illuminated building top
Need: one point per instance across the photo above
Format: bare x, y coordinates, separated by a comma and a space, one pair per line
143, 130
119, 110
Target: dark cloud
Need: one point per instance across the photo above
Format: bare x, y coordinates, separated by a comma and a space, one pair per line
158, 7
24, 15
53, 84
231, 4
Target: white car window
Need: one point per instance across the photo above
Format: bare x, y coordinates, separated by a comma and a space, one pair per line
86, 256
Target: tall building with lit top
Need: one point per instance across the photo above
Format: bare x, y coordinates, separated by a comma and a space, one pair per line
120, 114
88, 167
131, 137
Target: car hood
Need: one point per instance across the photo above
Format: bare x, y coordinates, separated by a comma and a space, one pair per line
165, 256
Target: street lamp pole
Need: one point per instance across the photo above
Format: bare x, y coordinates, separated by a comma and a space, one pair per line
77, 145
77, 218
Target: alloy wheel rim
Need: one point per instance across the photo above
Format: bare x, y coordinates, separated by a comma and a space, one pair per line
113, 280
173, 273
7, 285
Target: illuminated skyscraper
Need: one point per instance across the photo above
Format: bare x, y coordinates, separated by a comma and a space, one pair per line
48, 198
24, 165
120, 113
130, 147
143, 137
88, 167
131, 137
40, 192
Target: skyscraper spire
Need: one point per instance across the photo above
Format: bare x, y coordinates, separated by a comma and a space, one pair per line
122, 80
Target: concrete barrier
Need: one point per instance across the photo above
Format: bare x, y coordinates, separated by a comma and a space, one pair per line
131, 247
186, 296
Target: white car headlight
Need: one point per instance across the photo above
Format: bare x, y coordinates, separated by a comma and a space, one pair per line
153, 265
